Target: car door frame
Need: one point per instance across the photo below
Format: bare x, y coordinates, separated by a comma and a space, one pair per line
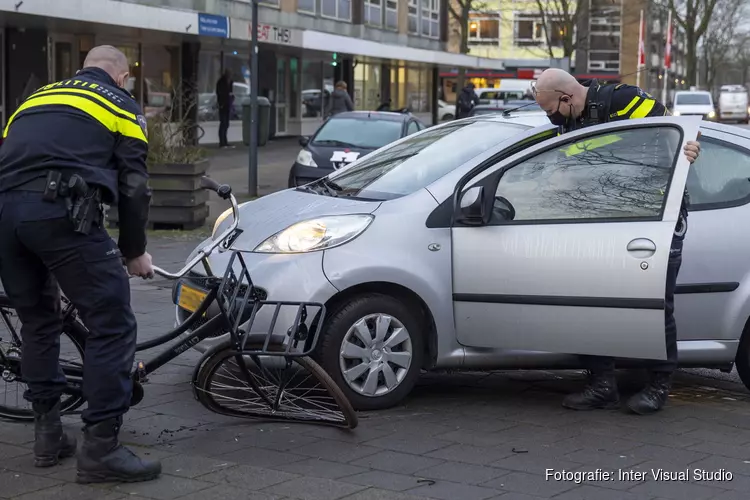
650, 343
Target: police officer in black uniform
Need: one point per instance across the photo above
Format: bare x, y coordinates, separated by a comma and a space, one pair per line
68, 148
571, 105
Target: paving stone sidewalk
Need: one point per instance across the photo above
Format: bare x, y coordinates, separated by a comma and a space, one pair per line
468, 436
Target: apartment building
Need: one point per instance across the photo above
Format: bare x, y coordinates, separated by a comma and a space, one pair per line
383, 49
604, 42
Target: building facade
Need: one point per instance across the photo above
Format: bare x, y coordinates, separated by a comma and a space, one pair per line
605, 40
177, 49
654, 75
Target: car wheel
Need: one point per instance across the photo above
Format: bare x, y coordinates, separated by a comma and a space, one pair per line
292, 182
373, 348
742, 359
447, 117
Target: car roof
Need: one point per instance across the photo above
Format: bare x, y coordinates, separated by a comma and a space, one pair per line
374, 115
693, 92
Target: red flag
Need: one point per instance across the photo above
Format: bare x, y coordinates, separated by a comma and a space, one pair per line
668, 48
641, 44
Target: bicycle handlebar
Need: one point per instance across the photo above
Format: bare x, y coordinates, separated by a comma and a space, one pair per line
225, 192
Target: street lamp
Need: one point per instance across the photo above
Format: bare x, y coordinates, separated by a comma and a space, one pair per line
252, 184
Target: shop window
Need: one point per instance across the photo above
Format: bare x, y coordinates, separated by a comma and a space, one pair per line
161, 81
339, 9
209, 71
313, 97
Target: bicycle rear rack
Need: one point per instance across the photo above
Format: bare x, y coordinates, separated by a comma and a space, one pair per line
240, 305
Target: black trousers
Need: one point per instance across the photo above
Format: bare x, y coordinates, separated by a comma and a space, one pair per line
224, 115
602, 364
38, 251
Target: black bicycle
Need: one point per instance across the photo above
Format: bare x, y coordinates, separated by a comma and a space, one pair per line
265, 375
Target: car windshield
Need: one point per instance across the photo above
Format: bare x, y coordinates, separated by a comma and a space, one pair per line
420, 160
366, 133
693, 99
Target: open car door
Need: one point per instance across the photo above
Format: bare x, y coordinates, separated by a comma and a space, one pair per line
564, 246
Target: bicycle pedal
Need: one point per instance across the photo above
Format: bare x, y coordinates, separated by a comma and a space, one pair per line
141, 374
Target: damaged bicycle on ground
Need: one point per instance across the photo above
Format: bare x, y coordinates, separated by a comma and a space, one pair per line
267, 375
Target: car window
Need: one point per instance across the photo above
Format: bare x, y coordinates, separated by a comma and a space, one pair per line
358, 133
413, 128
616, 175
693, 99
720, 177
418, 161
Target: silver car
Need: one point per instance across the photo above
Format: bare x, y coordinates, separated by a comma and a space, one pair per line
493, 243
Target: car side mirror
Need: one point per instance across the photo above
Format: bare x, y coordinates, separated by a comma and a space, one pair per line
304, 141
503, 209
472, 207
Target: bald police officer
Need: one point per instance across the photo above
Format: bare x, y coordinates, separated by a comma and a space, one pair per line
571, 105
71, 146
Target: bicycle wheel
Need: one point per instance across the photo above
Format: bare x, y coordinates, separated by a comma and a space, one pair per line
308, 394
12, 404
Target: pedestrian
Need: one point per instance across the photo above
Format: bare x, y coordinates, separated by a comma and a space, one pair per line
466, 101
225, 101
340, 100
571, 105
68, 148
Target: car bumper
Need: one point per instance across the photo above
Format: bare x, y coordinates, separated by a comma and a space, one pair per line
300, 174
292, 278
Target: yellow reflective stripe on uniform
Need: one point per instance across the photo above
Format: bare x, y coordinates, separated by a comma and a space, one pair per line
111, 121
627, 108
644, 109
588, 145
90, 93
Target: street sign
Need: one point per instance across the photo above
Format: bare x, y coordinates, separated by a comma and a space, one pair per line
212, 25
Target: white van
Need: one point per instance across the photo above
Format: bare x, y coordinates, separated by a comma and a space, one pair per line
733, 104
694, 102
511, 89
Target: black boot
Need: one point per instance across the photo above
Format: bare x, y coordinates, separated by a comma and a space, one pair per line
600, 393
653, 397
50, 442
103, 459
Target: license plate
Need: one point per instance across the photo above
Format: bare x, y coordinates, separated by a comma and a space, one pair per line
190, 298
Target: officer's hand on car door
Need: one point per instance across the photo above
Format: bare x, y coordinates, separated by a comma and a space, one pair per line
693, 149
140, 266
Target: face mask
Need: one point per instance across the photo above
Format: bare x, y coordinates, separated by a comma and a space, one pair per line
559, 119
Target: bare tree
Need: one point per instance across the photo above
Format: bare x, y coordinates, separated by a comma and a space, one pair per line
695, 18
726, 44
565, 22
559, 21
460, 11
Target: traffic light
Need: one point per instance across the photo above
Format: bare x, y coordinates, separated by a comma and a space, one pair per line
334, 62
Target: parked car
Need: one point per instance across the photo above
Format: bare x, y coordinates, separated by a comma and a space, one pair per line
733, 104
492, 243
694, 102
446, 111
524, 106
345, 137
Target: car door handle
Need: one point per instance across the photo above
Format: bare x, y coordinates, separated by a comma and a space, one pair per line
642, 248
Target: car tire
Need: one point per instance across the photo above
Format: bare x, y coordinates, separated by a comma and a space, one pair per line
339, 328
291, 182
447, 117
742, 359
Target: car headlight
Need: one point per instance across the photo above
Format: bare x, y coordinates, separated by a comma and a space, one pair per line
711, 114
305, 158
316, 234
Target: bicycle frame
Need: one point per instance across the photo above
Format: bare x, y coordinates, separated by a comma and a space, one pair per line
225, 291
